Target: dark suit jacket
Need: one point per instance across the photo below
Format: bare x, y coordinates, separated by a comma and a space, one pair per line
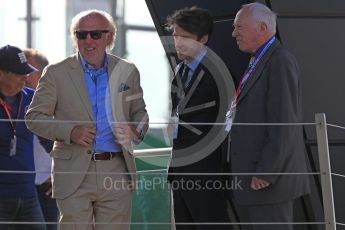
204, 205
271, 95
205, 93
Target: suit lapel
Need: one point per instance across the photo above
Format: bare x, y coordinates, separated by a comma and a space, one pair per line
118, 73
111, 65
177, 68
77, 76
113, 85
177, 81
258, 70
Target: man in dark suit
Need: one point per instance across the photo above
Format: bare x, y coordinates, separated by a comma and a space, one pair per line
269, 92
195, 99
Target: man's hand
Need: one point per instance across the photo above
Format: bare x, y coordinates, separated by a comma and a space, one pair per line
258, 184
125, 134
49, 190
82, 135
132, 186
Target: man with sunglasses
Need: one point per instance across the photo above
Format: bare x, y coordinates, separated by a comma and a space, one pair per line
91, 104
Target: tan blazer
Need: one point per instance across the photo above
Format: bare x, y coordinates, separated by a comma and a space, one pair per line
62, 101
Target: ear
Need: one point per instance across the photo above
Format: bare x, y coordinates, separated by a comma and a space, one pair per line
110, 38
204, 39
263, 27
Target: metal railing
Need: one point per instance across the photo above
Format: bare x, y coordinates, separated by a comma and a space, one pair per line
325, 179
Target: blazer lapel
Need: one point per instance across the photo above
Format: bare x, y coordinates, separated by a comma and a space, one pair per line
113, 85
118, 74
77, 76
177, 81
111, 65
258, 70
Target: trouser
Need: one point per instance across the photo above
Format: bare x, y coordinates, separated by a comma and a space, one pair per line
21, 210
102, 201
261, 214
48, 205
200, 210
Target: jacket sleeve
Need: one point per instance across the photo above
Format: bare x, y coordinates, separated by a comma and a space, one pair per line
40, 115
138, 113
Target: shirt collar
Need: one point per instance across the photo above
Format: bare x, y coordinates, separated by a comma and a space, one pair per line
88, 68
254, 56
195, 63
261, 48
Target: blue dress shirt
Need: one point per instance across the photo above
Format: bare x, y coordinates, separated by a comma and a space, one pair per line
97, 84
194, 64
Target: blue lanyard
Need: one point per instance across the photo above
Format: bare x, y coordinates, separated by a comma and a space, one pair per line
251, 69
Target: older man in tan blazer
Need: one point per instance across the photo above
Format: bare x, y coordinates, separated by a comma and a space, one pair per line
91, 104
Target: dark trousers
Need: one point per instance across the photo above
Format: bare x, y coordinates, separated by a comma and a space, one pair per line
182, 213
20, 210
200, 208
281, 212
48, 206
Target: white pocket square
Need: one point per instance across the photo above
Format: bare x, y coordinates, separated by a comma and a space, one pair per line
123, 87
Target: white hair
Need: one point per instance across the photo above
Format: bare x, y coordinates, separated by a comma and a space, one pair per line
262, 13
76, 20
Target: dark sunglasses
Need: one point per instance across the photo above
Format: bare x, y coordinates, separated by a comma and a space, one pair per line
94, 34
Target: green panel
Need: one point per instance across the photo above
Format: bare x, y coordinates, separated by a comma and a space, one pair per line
155, 138
152, 163
151, 201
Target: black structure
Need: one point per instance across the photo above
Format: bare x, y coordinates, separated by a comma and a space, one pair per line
221, 41
314, 31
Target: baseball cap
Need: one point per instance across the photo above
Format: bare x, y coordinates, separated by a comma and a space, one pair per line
13, 59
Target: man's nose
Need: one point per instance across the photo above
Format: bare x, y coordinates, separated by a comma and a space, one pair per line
234, 33
88, 36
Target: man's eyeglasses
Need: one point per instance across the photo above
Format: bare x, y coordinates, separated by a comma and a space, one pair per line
94, 34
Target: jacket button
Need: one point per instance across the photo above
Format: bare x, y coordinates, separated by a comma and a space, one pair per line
88, 151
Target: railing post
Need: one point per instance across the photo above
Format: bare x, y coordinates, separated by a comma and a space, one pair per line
325, 171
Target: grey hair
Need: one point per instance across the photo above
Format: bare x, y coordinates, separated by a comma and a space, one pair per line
263, 14
77, 18
39, 57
